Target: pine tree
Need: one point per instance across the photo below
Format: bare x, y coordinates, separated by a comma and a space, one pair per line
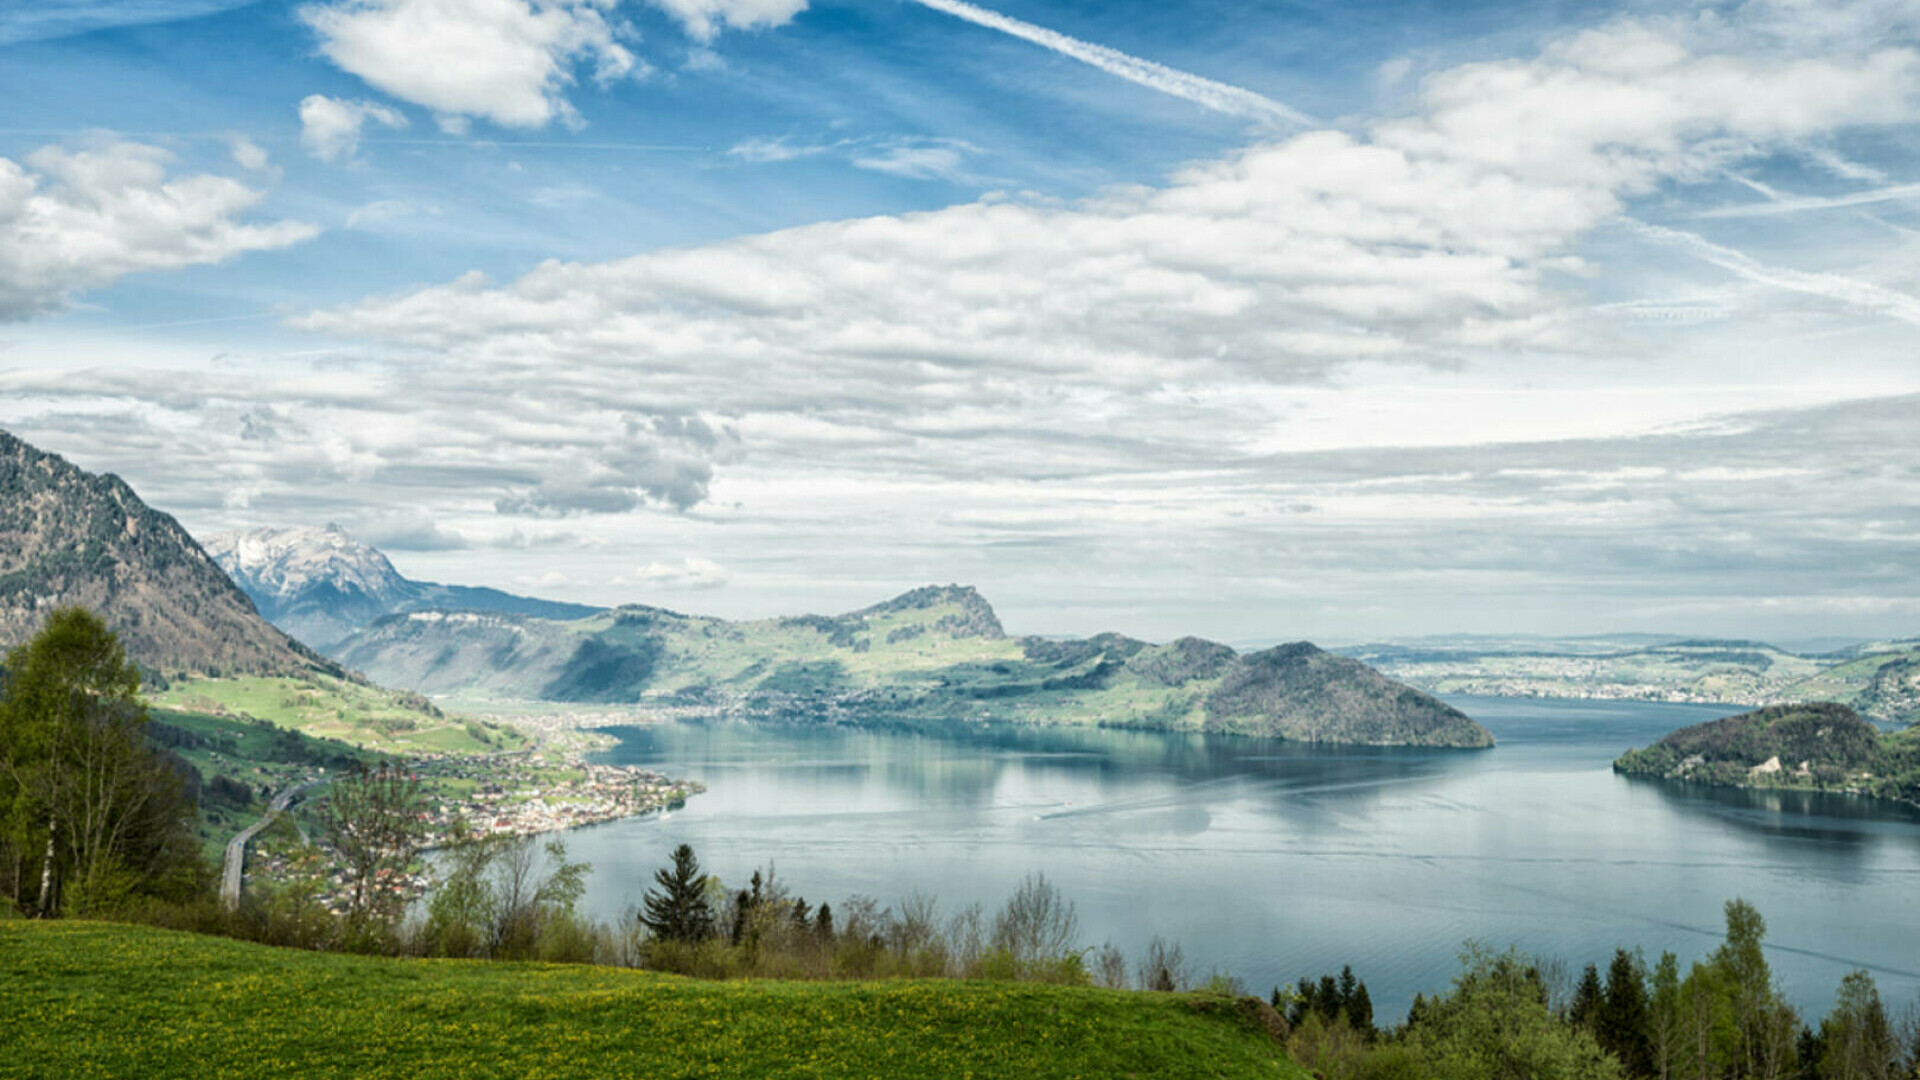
679, 911
1621, 1026
1811, 1049
742, 907
1360, 1012
1586, 999
1303, 1002
823, 921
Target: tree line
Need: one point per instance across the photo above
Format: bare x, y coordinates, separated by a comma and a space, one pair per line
1510, 1015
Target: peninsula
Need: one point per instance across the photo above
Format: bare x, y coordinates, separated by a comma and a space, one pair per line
1819, 746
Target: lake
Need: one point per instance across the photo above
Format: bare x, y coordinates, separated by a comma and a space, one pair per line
1270, 860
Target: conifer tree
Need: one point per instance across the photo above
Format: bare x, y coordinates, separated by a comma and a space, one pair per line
1621, 1025
1360, 1011
679, 909
1586, 999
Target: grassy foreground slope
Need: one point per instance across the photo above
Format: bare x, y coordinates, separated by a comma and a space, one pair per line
91, 999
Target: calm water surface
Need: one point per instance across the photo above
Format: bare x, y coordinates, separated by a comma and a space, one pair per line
1269, 860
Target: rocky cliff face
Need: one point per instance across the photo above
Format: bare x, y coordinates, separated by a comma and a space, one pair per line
68, 537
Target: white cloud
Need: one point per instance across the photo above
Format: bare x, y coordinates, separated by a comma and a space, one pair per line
1447, 231
1144, 319
703, 19
760, 151
378, 211
406, 529
691, 572
934, 159
73, 220
330, 127
507, 61
247, 154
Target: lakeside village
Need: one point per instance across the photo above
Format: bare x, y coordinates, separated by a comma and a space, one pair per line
489, 796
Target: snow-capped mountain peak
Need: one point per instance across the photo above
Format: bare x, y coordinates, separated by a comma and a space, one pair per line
322, 585
284, 563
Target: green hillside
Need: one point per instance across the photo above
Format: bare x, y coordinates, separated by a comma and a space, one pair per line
237, 764
1880, 685
1698, 670
93, 999
936, 655
324, 707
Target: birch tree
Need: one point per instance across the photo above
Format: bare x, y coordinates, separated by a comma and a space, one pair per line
89, 812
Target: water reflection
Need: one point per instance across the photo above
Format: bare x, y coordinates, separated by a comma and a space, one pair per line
1817, 816
1271, 860
970, 763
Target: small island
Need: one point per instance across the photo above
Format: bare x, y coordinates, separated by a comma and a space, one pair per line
1815, 746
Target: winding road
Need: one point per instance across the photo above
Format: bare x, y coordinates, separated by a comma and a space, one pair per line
236, 862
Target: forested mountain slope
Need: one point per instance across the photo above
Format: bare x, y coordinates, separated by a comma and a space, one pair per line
70, 537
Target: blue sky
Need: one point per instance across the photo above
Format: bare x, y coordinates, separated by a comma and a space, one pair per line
1248, 320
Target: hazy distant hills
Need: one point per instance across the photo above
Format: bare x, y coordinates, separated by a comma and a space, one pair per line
1879, 679
321, 585
935, 654
68, 536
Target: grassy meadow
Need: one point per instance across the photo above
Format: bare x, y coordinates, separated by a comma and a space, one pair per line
383, 721
83, 999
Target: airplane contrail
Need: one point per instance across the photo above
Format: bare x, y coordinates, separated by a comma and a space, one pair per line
1860, 294
1897, 193
1207, 93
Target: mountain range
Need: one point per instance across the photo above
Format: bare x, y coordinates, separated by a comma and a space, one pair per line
322, 585
934, 655
71, 537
